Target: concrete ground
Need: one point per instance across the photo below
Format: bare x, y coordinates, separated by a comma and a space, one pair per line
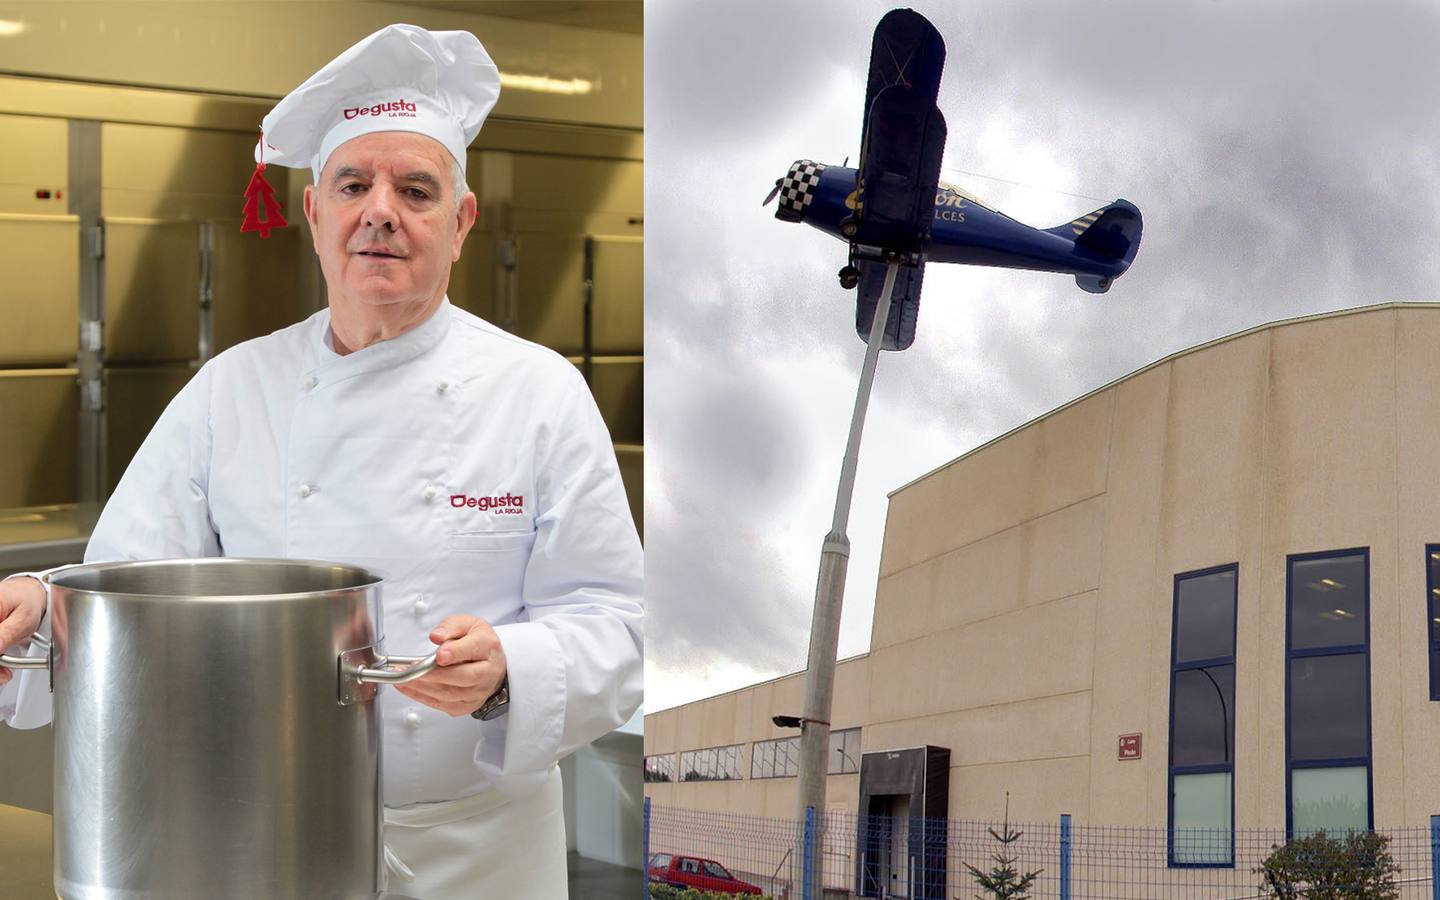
594, 880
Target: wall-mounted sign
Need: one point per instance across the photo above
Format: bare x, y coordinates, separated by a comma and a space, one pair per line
1129, 746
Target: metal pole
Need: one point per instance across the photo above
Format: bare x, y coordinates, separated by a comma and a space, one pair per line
1064, 856
862, 403
807, 885
1435, 857
645, 853
830, 592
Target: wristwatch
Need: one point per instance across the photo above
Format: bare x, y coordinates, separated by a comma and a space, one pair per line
498, 703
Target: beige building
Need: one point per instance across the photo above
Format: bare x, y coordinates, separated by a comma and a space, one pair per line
1235, 546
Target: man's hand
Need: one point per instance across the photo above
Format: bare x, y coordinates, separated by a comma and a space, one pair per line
22, 605
468, 667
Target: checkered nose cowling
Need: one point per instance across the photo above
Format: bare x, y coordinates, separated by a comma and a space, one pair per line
797, 189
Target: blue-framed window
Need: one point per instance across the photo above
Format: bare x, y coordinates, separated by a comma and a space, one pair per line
1432, 614
1328, 780
1202, 719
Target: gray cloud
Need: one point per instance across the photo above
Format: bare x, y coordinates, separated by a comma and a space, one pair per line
1283, 156
729, 459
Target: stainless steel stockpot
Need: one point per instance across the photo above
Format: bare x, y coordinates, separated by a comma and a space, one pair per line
216, 731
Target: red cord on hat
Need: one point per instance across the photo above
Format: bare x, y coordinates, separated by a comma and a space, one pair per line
260, 192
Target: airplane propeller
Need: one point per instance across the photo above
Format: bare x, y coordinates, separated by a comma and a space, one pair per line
773, 193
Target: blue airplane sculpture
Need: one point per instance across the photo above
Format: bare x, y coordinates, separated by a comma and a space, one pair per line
893, 207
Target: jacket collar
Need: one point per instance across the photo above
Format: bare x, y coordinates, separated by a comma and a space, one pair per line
382, 354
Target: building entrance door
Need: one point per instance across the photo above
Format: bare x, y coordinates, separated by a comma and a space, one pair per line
900, 842
897, 860
885, 860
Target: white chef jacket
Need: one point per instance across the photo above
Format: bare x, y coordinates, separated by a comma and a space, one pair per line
468, 466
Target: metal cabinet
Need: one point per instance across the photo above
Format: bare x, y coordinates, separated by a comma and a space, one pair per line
618, 383
38, 299
38, 248
551, 284
180, 281
38, 460
618, 308
38, 243
137, 397
255, 284
152, 290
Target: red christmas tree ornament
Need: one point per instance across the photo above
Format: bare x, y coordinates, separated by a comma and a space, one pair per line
257, 193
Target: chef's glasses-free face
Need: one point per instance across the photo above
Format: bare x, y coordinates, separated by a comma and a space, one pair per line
387, 224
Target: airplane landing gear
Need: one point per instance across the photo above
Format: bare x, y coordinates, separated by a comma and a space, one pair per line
849, 277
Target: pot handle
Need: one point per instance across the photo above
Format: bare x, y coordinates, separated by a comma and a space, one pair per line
24, 662
20, 663
415, 666
29, 662
361, 669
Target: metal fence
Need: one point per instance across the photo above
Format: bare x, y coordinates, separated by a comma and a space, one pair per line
920, 859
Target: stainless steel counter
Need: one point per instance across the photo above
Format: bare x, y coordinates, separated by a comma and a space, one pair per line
25, 854
38, 537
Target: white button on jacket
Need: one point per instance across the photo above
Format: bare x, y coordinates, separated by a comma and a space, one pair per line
526, 523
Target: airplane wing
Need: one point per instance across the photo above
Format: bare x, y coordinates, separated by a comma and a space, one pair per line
900, 172
902, 143
903, 136
906, 50
904, 302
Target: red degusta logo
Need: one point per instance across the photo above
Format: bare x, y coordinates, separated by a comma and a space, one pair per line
502, 504
394, 108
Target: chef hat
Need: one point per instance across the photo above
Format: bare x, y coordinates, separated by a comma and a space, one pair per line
440, 84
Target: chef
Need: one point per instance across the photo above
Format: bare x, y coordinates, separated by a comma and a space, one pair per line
397, 432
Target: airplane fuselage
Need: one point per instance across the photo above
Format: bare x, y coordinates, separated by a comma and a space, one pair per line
965, 231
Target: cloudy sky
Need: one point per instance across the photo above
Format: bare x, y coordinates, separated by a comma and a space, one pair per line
1285, 156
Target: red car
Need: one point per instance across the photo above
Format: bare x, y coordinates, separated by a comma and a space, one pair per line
698, 873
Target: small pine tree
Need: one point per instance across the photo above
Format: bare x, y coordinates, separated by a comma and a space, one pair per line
1004, 881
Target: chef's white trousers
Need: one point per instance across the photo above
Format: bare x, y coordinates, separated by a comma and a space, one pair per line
485, 846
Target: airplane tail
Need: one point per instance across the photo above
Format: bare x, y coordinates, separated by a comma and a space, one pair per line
1112, 231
